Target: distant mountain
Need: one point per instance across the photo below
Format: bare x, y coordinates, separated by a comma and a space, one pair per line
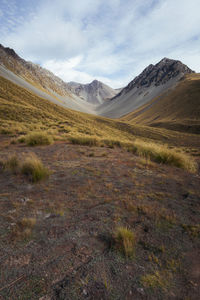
95, 92
152, 82
37, 77
177, 109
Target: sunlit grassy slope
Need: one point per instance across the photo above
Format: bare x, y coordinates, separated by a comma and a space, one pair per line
178, 109
22, 112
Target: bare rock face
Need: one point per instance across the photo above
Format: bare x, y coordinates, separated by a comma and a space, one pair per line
159, 74
151, 83
95, 92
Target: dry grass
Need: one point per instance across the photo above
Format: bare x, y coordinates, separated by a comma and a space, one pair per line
34, 169
85, 141
162, 154
38, 138
12, 164
157, 280
23, 228
125, 241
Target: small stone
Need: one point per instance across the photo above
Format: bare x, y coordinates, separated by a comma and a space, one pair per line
141, 291
84, 292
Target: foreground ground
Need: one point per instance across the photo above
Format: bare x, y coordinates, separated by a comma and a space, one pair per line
70, 253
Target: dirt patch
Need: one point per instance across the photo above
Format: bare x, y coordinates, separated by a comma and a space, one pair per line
69, 253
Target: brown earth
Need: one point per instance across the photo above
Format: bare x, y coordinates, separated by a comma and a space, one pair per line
70, 253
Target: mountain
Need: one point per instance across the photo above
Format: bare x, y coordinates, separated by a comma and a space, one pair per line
40, 81
157, 97
95, 92
152, 82
178, 109
33, 73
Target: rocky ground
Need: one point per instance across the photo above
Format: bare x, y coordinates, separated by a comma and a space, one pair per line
70, 253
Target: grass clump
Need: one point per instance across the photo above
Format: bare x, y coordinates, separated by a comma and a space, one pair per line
112, 143
162, 154
34, 169
85, 141
12, 164
38, 138
23, 228
125, 241
157, 280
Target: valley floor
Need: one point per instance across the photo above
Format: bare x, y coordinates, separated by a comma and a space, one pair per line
71, 254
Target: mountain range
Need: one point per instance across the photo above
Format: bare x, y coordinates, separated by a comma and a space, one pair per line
99, 188
144, 100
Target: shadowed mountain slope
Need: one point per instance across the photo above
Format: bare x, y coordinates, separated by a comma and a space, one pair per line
178, 109
152, 82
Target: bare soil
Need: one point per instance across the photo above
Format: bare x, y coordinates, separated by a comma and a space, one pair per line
71, 254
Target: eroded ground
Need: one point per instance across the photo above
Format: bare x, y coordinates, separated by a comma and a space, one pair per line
70, 252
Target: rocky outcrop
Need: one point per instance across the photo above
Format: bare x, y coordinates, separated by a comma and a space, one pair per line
159, 74
152, 82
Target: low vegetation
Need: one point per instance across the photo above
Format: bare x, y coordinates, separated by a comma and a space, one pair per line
125, 241
23, 228
162, 154
148, 150
34, 169
85, 141
12, 164
38, 138
157, 280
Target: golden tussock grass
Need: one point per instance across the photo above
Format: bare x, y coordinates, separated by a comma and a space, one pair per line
85, 141
38, 138
162, 154
23, 228
125, 241
34, 169
12, 163
157, 280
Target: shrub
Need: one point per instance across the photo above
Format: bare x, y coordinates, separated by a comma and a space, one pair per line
38, 138
125, 241
85, 141
34, 169
162, 154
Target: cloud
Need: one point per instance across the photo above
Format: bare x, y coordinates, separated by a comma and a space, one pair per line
109, 39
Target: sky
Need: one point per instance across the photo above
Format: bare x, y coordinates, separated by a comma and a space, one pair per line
108, 40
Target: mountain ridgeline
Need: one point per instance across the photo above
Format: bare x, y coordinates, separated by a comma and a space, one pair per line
95, 92
163, 95
152, 82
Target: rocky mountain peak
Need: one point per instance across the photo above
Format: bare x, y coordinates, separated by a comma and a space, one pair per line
160, 73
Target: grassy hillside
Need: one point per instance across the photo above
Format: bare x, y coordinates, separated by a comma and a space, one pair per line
22, 112
32, 73
79, 221
178, 109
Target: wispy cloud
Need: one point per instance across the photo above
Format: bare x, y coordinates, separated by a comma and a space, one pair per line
111, 40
